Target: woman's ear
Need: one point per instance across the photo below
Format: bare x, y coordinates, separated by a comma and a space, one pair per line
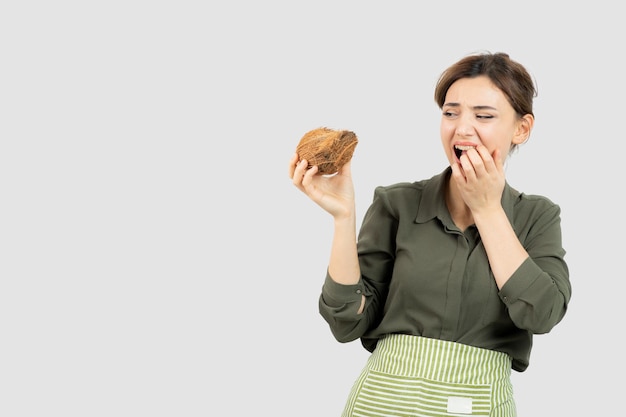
524, 127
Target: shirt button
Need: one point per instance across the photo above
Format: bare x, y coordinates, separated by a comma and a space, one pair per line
505, 298
358, 291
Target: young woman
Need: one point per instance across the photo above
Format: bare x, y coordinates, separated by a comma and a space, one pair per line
450, 276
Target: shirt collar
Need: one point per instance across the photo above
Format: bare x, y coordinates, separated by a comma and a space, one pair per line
433, 203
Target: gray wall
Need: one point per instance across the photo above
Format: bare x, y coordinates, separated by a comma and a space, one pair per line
156, 259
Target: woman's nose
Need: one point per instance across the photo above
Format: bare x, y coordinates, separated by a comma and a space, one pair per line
464, 127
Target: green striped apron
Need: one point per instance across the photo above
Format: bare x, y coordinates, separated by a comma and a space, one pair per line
415, 376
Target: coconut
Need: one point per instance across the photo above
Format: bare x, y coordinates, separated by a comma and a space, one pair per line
327, 148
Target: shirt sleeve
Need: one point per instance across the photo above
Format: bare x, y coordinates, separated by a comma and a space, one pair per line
338, 303
538, 293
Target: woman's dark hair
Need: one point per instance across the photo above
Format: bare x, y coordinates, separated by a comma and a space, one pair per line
508, 75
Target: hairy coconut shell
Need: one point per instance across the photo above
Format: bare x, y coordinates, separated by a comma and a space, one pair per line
329, 149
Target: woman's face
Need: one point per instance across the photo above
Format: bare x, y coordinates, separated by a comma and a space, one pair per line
476, 112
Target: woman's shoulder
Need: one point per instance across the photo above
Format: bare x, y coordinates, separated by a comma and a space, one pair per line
435, 182
527, 205
399, 189
529, 199
407, 197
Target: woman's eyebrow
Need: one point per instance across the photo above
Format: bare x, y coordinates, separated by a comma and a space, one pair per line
481, 107
484, 108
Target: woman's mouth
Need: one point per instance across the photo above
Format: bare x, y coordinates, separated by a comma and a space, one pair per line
459, 149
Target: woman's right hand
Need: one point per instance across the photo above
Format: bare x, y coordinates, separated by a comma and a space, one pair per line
334, 193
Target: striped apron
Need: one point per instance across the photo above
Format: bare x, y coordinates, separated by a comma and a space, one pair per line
415, 376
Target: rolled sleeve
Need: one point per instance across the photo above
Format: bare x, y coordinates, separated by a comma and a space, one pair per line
339, 305
534, 300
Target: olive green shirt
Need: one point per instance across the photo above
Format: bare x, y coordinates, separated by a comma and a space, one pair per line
423, 276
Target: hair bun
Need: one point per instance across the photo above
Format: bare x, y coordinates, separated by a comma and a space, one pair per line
329, 149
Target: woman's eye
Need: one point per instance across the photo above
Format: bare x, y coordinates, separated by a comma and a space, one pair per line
484, 116
448, 114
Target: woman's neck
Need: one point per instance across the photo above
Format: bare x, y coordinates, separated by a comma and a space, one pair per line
459, 211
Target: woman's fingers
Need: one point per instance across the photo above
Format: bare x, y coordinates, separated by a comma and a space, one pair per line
308, 174
478, 162
301, 175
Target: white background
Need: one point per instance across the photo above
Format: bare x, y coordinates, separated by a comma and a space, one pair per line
155, 258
